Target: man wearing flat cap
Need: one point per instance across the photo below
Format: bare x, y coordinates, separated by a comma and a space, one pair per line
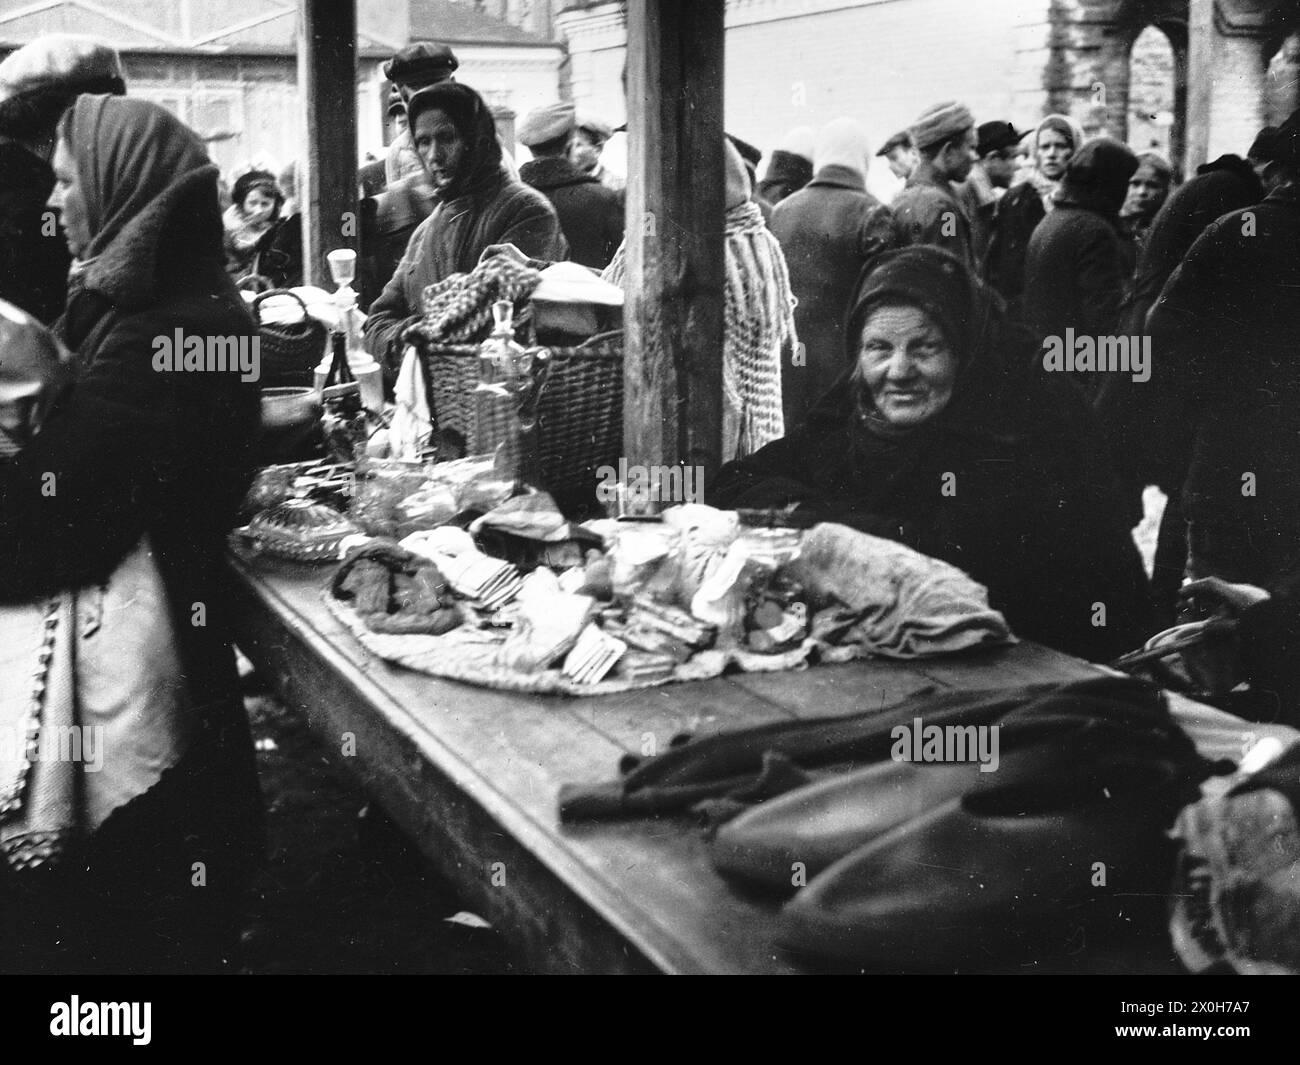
591, 215
415, 67
928, 210
990, 177
38, 83
589, 140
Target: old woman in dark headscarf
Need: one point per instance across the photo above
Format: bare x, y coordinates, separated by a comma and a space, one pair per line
476, 204
942, 436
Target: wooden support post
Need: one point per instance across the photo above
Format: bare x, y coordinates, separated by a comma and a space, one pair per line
327, 66
1200, 81
672, 410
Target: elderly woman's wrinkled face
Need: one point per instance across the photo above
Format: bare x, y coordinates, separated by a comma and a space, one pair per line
1054, 152
906, 364
440, 145
68, 200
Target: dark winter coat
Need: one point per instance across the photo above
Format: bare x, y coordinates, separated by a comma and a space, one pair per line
830, 231
591, 215
929, 211
450, 241
1079, 261
1029, 510
1142, 423
1014, 221
1224, 339
34, 256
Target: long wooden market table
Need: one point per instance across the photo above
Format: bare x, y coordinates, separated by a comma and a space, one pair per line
472, 775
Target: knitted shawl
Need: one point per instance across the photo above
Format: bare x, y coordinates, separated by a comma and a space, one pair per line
758, 326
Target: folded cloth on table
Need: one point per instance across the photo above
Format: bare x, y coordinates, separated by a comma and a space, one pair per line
1063, 746
720, 764
533, 516
594, 655
488, 582
412, 425
546, 628
1237, 891
890, 600
396, 591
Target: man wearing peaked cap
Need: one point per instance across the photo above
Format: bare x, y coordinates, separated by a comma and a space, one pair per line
589, 141
990, 177
899, 152
420, 65
928, 210
61, 60
415, 67
544, 125
590, 214
38, 83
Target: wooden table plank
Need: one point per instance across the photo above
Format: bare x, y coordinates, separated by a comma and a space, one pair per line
472, 775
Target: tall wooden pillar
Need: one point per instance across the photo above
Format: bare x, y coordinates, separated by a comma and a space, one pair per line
672, 411
327, 66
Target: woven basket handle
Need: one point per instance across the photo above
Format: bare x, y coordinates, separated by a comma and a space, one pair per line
257, 302
600, 338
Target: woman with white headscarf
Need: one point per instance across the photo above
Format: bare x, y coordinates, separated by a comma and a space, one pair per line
830, 231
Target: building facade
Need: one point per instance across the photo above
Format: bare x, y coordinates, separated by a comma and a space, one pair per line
1202, 79
230, 69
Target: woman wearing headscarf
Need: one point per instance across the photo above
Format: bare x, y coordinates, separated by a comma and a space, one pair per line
139, 466
1055, 141
942, 436
476, 204
829, 231
250, 222
1148, 189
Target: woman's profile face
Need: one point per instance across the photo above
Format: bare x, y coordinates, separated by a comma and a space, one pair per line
68, 200
440, 145
259, 205
906, 363
1054, 152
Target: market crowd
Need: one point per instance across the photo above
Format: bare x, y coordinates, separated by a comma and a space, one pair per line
883, 368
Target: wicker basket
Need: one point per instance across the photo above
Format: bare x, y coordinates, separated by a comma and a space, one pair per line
290, 350
573, 425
